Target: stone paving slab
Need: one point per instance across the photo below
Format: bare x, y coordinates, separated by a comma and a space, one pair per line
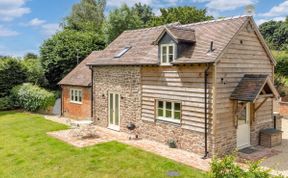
106, 135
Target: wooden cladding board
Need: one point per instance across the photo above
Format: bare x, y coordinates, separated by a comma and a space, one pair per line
184, 84
239, 59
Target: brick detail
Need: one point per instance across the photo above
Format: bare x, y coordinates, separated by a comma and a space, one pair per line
73, 110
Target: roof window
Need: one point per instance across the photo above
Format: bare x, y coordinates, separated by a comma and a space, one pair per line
122, 52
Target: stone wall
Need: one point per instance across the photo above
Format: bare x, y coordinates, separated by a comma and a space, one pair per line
124, 80
75, 110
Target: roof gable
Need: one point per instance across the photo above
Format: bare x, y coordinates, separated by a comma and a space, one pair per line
250, 21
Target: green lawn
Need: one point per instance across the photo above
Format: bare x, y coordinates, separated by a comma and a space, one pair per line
26, 151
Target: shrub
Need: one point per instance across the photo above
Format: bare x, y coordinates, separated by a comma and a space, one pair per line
6, 104
31, 97
228, 168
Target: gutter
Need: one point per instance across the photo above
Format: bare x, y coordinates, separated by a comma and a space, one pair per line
205, 111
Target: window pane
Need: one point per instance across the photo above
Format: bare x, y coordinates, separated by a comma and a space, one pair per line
177, 115
177, 106
168, 105
160, 104
160, 112
170, 58
116, 109
168, 114
242, 118
80, 96
171, 50
76, 95
111, 107
164, 54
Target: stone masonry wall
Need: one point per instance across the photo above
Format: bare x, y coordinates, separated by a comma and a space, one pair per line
124, 80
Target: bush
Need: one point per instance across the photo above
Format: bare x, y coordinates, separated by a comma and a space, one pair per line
6, 104
228, 168
12, 73
31, 97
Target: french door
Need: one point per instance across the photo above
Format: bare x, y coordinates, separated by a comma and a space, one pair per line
114, 111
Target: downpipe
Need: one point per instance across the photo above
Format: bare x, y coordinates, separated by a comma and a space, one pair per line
205, 111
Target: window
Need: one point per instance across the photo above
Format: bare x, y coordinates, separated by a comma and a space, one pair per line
167, 53
168, 111
76, 95
122, 52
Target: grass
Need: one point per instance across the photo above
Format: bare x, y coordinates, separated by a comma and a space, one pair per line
26, 151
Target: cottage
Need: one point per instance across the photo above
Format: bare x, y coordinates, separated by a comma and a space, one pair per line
208, 86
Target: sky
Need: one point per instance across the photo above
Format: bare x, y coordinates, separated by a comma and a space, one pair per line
25, 24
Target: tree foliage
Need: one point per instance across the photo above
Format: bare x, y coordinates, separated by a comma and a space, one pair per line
144, 11
87, 15
184, 15
12, 73
276, 34
121, 19
63, 51
34, 70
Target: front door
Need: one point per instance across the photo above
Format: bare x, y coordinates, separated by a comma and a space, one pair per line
114, 111
243, 130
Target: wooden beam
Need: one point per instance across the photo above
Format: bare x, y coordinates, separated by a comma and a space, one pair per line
261, 104
266, 96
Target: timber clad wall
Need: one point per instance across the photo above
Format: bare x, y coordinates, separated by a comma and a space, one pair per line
245, 55
74, 110
181, 84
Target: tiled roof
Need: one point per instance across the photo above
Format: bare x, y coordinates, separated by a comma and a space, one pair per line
81, 74
144, 51
250, 86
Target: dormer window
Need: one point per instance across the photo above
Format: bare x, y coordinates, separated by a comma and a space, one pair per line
167, 53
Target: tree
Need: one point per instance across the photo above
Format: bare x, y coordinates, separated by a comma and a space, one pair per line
122, 19
268, 29
12, 73
184, 15
144, 12
35, 72
61, 53
88, 15
30, 56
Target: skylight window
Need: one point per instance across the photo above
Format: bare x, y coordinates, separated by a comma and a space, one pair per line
122, 52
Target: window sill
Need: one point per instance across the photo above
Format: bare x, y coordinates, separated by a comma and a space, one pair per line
174, 121
75, 102
167, 65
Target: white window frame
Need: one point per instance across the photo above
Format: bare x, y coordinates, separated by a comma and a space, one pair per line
167, 53
172, 118
79, 94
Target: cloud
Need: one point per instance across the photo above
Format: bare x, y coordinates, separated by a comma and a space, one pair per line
225, 5
279, 10
36, 22
260, 21
11, 9
4, 32
117, 3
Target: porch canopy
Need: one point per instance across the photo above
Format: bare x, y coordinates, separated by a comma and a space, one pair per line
251, 88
